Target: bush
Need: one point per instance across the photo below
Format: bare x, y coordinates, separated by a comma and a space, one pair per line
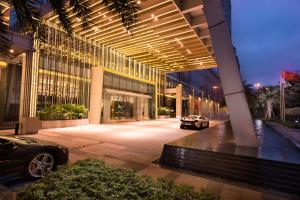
63, 112
163, 111
91, 179
288, 124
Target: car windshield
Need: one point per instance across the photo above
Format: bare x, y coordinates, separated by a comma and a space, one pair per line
192, 116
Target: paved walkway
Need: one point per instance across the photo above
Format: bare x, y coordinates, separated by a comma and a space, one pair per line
136, 145
292, 135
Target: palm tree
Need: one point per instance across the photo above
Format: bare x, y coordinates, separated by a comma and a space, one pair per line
269, 98
28, 16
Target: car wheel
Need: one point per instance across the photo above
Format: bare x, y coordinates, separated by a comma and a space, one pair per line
207, 125
40, 165
201, 126
181, 126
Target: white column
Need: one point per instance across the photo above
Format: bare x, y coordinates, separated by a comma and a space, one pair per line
240, 117
28, 94
96, 95
27, 86
139, 108
191, 105
178, 101
106, 107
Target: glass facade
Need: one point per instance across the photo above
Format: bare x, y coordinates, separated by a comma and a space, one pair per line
64, 66
64, 75
127, 99
122, 107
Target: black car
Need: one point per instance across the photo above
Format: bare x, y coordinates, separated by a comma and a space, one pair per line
27, 157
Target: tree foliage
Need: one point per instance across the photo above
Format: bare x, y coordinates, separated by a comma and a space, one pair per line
28, 17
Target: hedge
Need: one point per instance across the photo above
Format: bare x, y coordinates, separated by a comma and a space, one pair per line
92, 180
63, 112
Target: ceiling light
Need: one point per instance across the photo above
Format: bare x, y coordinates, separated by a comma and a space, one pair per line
109, 19
155, 19
152, 15
138, 2
95, 28
11, 51
104, 16
78, 19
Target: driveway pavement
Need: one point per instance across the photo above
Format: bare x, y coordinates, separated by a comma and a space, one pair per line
131, 144
135, 145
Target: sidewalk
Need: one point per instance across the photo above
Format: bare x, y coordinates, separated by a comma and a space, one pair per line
292, 135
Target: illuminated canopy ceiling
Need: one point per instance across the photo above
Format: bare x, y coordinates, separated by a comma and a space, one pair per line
4, 9
171, 35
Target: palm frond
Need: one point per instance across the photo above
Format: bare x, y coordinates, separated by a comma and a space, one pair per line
127, 10
80, 8
5, 42
59, 8
28, 15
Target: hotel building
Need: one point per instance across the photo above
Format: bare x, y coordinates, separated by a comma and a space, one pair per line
119, 75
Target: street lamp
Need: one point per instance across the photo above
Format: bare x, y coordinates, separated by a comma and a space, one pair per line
257, 85
215, 91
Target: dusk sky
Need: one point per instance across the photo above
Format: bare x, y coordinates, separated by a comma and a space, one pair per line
266, 34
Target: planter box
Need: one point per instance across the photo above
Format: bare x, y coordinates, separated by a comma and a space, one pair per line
163, 116
63, 123
30, 125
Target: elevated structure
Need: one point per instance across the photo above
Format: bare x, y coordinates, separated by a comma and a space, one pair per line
119, 75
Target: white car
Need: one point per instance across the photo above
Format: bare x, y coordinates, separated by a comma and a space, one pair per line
194, 121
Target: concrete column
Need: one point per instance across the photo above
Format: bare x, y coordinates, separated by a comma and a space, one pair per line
191, 105
146, 109
106, 107
240, 117
28, 95
178, 101
96, 95
199, 104
139, 108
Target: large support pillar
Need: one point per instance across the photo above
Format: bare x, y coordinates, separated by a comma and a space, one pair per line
240, 117
191, 105
178, 101
28, 95
106, 107
96, 95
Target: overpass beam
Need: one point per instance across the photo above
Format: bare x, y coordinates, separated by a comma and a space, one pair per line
240, 117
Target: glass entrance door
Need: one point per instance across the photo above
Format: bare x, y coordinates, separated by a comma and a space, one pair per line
122, 107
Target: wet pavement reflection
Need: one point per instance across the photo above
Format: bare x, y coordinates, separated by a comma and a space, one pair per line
272, 146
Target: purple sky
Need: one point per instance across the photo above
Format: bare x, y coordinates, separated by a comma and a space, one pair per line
266, 34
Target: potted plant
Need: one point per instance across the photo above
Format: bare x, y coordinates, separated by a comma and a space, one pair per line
163, 113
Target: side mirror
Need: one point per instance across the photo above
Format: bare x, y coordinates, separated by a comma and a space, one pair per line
8, 146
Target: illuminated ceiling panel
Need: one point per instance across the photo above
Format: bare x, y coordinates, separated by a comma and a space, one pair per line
171, 35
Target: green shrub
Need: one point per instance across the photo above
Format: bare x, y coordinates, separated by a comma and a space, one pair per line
91, 179
163, 111
288, 124
63, 112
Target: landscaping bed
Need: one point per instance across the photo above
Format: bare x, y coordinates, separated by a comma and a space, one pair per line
92, 179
